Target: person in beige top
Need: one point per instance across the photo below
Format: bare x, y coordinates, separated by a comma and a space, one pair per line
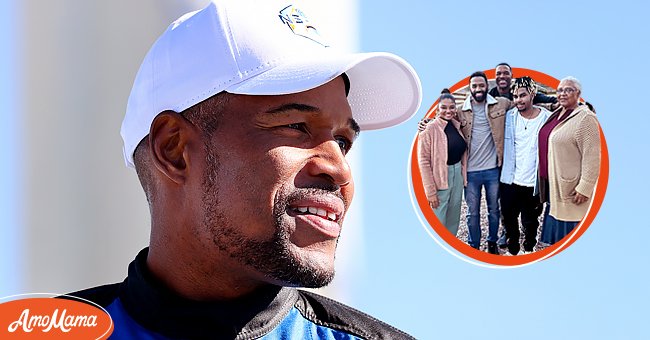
569, 162
443, 158
482, 119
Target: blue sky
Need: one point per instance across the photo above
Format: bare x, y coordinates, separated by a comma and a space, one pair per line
9, 150
596, 289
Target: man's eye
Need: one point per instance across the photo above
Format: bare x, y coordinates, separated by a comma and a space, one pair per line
345, 144
298, 126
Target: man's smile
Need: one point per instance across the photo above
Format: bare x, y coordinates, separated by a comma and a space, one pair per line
322, 212
317, 211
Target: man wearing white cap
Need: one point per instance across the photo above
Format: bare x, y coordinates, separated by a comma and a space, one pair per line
237, 125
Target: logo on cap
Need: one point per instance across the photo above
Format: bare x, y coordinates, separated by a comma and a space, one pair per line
300, 25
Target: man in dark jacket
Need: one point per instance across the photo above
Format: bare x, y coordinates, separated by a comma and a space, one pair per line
503, 78
238, 125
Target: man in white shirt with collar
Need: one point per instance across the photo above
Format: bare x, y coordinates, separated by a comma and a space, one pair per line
482, 119
519, 172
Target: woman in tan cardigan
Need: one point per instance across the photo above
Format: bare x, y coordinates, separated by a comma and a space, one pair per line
442, 158
569, 162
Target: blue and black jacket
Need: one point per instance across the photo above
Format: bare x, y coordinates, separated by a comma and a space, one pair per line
141, 308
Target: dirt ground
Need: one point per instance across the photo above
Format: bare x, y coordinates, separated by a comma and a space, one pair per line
463, 232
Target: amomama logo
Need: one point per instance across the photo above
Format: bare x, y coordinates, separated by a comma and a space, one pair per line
53, 318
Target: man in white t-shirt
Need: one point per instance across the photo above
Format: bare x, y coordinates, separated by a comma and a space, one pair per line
519, 172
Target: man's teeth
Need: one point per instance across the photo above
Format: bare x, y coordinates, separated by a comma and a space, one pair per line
318, 211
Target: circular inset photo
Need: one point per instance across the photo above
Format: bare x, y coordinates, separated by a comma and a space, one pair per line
509, 166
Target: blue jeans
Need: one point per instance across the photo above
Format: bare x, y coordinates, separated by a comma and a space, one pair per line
475, 180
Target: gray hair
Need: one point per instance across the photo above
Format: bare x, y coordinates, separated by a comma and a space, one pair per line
574, 81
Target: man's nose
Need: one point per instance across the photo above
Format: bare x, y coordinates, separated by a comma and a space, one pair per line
328, 162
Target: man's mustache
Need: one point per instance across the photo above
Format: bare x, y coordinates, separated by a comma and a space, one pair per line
318, 190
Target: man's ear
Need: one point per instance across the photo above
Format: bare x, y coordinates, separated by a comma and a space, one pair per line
170, 138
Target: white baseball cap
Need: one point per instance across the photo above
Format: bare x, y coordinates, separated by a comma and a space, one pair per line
265, 47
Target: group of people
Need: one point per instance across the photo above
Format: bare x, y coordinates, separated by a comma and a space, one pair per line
526, 150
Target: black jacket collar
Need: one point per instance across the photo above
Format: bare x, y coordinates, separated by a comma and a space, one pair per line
157, 308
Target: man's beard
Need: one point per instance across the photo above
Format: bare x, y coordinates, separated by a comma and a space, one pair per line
274, 257
526, 107
505, 88
476, 97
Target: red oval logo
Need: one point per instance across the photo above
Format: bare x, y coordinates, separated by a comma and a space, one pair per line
53, 318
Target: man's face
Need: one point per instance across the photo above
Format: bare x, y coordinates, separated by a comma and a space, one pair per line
523, 99
503, 77
276, 184
568, 94
478, 89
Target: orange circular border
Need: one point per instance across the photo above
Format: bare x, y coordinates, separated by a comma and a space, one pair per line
462, 247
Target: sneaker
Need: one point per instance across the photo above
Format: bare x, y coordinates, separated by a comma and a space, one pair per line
529, 246
492, 248
514, 249
502, 242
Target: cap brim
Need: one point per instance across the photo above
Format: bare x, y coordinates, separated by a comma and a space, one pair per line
384, 89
